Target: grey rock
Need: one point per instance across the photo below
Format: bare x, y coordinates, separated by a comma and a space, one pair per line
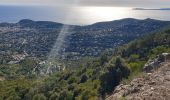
149, 86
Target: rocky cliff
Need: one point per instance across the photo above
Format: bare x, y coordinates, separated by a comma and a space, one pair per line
153, 85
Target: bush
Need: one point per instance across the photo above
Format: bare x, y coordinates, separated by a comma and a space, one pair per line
115, 74
39, 97
54, 96
134, 57
72, 80
83, 79
65, 95
103, 59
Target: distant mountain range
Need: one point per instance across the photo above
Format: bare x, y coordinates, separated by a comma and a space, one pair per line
151, 8
37, 38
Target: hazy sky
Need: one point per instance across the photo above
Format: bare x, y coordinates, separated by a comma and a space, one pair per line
124, 3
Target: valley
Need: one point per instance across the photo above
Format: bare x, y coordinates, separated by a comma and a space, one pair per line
38, 38
93, 59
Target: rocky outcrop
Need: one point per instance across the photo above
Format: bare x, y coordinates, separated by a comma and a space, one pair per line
2, 78
155, 63
47, 68
154, 85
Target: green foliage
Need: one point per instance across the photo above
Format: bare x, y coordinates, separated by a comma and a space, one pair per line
136, 66
158, 50
122, 68
72, 79
134, 57
15, 88
27, 66
136, 69
65, 95
39, 97
21, 69
142, 46
83, 79
54, 96
89, 81
103, 59
115, 74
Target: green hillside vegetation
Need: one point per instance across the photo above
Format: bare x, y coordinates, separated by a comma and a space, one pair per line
93, 80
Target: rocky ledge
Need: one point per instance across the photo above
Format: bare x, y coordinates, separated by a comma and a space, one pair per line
154, 85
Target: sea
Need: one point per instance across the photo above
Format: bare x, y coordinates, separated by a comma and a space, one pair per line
79, 15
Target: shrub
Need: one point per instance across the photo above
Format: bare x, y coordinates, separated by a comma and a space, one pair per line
83, 79
39, 97
113, 76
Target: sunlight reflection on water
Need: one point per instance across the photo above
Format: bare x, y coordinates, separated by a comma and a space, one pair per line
80, 15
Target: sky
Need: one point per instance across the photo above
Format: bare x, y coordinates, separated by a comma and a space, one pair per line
119, 3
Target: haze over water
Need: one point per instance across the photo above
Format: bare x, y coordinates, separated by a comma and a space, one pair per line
77, 15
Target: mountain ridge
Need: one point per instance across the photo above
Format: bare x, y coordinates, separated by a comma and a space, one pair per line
24, 21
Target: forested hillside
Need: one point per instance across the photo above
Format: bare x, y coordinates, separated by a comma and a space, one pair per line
91, 81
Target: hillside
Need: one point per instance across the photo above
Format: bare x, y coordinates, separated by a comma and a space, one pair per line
93, 80
149, 86
36, 38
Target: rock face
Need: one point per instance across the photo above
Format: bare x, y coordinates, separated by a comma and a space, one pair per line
150, 86
155, 63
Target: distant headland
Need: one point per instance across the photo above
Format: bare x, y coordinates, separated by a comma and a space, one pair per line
151, 8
